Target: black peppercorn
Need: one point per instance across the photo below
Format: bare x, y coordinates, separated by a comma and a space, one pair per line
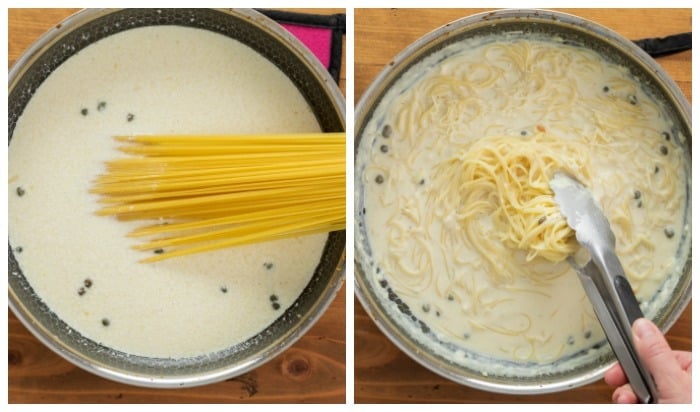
379, 179
84, 111
105, 322
129, 117
20, 191
664, 150
101, 106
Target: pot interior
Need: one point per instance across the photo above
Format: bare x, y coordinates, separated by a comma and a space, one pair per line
259, 33
390, 313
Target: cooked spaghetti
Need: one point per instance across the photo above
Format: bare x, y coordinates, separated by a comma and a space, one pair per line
458, 219
507, 179
209, 192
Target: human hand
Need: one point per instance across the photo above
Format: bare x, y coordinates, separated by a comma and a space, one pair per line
670, 369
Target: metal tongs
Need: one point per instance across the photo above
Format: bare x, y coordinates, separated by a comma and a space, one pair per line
604, 279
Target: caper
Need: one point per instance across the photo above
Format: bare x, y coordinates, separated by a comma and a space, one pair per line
386, 131
669, 232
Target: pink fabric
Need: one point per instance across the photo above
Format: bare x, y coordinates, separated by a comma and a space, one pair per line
317, 39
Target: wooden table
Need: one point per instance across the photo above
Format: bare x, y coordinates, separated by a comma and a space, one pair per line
384, 374
311, 371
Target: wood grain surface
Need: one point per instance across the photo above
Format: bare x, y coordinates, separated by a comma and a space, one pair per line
311, 371
384, 374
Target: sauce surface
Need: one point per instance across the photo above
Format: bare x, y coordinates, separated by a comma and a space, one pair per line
163, 79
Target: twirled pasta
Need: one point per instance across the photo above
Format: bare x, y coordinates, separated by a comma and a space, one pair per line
507, 179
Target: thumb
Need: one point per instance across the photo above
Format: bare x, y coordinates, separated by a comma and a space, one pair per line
654, 349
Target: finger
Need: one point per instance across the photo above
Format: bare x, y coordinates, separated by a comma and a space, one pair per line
685, 359
654, 349
615, 376
624, 394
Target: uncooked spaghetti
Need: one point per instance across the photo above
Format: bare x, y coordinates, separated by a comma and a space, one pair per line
202, 193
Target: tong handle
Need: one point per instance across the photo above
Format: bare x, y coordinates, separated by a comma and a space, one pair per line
616, 307
628, 299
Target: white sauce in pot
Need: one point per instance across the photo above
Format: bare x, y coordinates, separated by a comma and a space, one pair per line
434, 280
163, 79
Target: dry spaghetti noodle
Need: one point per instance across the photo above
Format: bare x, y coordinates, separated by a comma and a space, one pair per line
209, 192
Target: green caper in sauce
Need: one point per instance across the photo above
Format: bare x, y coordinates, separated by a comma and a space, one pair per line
386, 131
669, 232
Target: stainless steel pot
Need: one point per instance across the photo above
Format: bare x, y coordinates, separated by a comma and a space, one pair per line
383, 309
321, 92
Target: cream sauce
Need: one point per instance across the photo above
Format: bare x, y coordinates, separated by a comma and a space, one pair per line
164, 79
480, 88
